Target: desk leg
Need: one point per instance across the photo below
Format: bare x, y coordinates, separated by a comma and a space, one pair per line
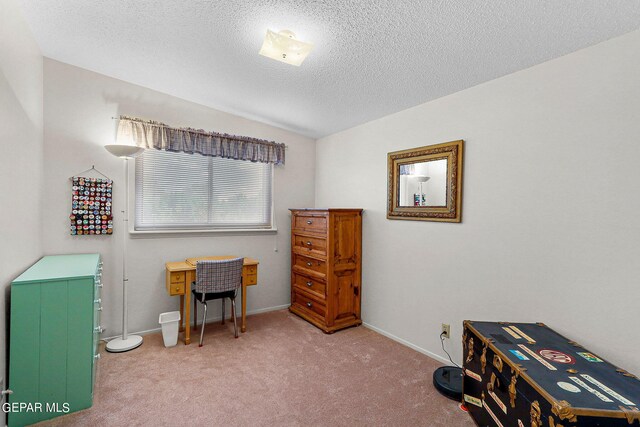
181, 313
243, 328
187, 308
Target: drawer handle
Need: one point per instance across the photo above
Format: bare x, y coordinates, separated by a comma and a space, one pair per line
99, 329
308, 243
96, 356
97, 301
309, 284
309, 304
309, 264
309, 222
100, 308
99, 285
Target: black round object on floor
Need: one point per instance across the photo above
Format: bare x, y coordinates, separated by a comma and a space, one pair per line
448, 381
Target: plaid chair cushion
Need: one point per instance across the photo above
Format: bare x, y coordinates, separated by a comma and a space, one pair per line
218, 276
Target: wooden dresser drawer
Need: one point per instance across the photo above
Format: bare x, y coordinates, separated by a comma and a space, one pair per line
316, 224
250, 279
176, 288
178, 277
312, 245
310, 285
312, 266
306, 303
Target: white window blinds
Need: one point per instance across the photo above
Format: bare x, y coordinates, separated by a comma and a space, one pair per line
191, 191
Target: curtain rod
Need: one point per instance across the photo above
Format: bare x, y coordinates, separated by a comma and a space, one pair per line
192, 130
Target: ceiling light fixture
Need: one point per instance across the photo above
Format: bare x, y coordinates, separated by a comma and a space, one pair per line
284, 47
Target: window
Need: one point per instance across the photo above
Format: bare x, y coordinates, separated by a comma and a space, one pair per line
179, 191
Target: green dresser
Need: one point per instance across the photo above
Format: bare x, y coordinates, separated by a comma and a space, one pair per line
54, 335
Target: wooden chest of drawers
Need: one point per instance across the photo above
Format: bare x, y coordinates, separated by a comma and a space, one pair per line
326, 253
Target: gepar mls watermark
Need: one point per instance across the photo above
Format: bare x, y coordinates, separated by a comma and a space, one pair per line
55, 407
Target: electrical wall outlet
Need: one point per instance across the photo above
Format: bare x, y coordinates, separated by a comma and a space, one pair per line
446, 330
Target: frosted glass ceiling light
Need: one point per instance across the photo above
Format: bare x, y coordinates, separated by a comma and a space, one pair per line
283, 46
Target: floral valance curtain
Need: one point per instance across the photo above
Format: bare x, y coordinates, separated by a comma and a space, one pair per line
149, 134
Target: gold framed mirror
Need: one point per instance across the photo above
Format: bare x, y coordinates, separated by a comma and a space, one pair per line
425, 183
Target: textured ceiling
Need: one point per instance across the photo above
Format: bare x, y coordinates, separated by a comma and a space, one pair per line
371, 57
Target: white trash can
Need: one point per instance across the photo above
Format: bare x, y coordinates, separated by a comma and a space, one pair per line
170, 323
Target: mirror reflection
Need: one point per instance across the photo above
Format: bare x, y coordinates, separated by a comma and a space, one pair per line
423, 184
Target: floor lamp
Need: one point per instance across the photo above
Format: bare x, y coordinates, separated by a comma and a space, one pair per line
421, 179
126, 342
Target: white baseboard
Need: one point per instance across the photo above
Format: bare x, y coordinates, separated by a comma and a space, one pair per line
268, 309
209, 320
407, 343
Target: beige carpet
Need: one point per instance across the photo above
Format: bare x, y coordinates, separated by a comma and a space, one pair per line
282, 371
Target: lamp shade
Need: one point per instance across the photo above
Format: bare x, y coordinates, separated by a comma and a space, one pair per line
124, 151
422, 178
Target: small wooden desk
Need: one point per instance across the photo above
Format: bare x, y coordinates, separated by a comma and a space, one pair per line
180, 275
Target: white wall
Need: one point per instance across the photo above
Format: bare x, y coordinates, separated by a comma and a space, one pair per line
78, 108
21, 160
550, 229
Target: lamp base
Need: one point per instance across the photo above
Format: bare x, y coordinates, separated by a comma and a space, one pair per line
118, 345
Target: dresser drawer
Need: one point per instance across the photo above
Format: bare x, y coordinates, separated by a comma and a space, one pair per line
306, 303
316, 224
97, 292
97, 327
176, 288
178, 277
310, 285
310, 265
313, 245
250, 279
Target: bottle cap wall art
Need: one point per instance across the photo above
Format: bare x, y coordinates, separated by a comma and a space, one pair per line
91, 206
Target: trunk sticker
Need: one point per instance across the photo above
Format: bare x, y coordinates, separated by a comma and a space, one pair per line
519, 355
538, 358
522, 334
512, 333
590, 357
473, 375
557, 356
473, 400
497, 421
569, 387
607, 390
498, 401
591, 389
